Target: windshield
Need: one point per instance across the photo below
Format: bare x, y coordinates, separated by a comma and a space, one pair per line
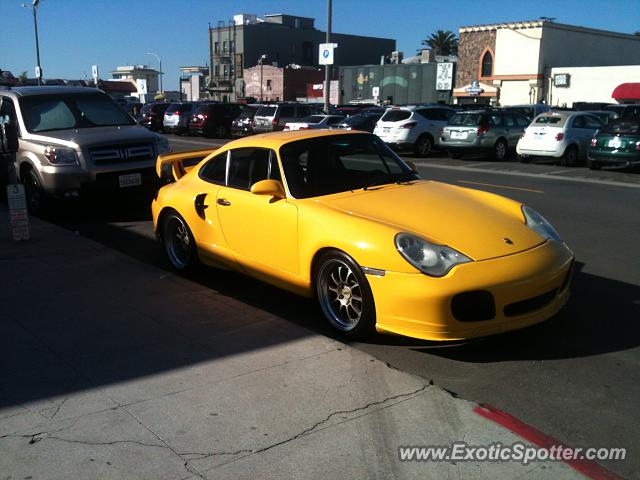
266, 112
45, 113
339, 163
550, 120
632, 128
467, 119
313, 119
395, 115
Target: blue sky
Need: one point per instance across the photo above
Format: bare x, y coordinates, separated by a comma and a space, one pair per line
74, 34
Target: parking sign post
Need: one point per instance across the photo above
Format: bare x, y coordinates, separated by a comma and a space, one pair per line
18, 215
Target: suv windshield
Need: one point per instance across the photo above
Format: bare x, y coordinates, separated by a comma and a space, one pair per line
266, 112
395, 115
466, 119
339, 163
45, 113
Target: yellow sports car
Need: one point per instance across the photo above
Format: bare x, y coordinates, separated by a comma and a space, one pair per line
337, 215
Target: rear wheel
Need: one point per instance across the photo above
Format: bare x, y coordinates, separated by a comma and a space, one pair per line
423, 146
570, 157
500, 150
344, 295
179, 244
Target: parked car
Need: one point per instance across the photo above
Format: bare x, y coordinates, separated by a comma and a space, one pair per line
412, 128
625, 111
153, 115
273, 117
242, 125
530, 111
177, 116
559, 136
492, 132
365, 121
77, 138
465, 263
213, 119
605, 116
313, 122
617, 144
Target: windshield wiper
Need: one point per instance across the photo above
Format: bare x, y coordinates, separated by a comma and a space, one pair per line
407, 177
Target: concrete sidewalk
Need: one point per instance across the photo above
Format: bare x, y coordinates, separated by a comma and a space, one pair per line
113, 368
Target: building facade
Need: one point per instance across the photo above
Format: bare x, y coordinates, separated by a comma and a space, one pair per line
511, 63
144, 78
193, 83
278, 40
274, 84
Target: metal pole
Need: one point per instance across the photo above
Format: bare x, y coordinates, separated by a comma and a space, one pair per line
35, 26
160, 62
261, 87
327, 68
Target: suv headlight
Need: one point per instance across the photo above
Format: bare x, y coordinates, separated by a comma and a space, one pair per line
434, 260
539, 224
60, 155
163, 146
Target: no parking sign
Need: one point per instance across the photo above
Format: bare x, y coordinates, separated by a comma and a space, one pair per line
326, 53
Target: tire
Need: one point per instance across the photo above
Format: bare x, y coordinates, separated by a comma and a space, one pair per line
593, 165
570, 157
36, 198
500, 150
179, 244
344, 295
456, 155
423, 145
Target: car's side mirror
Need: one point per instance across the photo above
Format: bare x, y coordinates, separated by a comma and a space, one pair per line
273, 188
411, 165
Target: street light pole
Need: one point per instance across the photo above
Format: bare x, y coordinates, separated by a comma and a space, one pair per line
327, 68
159, 67
34, 9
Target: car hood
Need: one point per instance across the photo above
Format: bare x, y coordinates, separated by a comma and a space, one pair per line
88, 137
480, 225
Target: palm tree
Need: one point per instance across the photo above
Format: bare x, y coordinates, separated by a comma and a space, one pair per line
442, 42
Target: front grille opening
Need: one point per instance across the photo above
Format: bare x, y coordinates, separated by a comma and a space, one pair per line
473, 306
530, 304
121, 154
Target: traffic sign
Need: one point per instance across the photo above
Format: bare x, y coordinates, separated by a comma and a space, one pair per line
325, 56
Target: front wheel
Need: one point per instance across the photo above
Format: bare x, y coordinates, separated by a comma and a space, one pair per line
344, 295
179, 244
423, 146
33, 192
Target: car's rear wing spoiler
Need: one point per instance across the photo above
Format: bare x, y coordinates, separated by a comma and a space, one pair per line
181, 162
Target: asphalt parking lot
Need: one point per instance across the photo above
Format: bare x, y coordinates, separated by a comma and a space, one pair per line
575, 378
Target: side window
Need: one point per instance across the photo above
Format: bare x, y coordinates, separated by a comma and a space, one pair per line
522, 121
286, 112
215, 169
578, 122
497, 120
250, 165
334, 121
8, 109
592, 122
510, 121
429, 114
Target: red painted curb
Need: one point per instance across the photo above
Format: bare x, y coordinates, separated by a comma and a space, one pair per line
589, 468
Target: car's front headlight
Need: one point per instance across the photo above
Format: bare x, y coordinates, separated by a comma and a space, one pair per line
434, 260
60, 155
163, 146
539, 224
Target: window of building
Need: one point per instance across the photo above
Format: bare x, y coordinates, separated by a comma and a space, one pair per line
225, 46
487, 64
268, 85
307, 53
231, 45
226, 71
216, 47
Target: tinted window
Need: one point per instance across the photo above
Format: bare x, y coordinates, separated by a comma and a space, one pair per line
466, 119
626, 127
497, 120
591, 121
8, 108
266, 112
556, 121
331, 164
58, 112
395, 115
313, 119
250, 165
521, 121
215, 169
174, 107
578, 122
286, 112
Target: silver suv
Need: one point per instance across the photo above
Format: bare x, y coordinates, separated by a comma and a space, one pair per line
273, 118
492, 132
73, 138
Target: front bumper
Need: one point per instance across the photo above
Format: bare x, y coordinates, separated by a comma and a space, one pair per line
531, 286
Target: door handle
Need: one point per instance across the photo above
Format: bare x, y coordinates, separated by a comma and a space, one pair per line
223, 202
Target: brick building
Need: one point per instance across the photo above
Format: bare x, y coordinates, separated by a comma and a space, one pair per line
280, 84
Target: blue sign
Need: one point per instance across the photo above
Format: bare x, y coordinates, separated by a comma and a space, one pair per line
325, 53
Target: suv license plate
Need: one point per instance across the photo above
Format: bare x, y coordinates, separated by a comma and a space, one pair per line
130, 180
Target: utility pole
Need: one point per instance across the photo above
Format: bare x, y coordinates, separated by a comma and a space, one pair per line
262, 57
34, 9
159, 66
327, 68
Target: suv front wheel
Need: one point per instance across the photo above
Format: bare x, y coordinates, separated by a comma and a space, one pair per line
33, 191
423, 146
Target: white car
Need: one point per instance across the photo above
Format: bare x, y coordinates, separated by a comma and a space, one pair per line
564, 136
314, 122
413, 128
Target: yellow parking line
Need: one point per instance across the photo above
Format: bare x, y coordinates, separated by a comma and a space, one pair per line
501, 186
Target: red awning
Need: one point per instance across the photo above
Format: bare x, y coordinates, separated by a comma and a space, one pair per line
627, 91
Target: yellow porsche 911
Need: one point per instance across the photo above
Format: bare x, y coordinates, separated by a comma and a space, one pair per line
338, 216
